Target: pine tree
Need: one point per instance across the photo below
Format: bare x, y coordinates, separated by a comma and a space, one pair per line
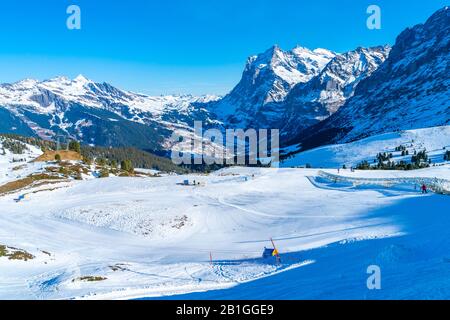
113, 164
104, 173
101, 162
75, 146
127, 166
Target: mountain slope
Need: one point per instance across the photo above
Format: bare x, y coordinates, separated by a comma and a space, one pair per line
410, 90
436, 141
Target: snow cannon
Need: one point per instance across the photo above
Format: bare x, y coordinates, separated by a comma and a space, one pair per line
269, 253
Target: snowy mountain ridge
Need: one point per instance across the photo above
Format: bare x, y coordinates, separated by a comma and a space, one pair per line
72, 107
268, 78
313, 101
85, 110
33, 93
291, 90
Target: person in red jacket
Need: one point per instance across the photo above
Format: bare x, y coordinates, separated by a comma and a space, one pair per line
424, 188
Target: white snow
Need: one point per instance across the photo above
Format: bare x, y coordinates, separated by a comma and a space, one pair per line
153, 237
434, 140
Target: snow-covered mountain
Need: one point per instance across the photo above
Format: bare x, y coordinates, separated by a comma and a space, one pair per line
295, 89
313, 101
267, 79
48, 95
96, 113
409, 91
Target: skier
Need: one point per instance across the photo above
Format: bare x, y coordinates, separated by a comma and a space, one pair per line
424, 188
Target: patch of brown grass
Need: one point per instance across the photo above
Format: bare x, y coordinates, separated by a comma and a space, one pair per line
15, 254
25, 182
68, 170
19, 167
66, 155
90, 278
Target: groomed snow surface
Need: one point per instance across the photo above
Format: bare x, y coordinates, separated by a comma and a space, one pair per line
351, 154
153, 238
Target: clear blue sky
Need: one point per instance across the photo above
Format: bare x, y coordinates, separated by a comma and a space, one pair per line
183, 46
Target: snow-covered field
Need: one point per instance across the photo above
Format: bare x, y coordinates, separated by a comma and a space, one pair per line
152, 237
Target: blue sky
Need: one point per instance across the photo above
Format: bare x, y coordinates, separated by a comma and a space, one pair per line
183, 46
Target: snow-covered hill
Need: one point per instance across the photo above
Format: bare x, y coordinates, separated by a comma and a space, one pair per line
436, 141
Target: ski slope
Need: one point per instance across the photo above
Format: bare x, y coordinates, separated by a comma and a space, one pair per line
153, 238
434, 140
